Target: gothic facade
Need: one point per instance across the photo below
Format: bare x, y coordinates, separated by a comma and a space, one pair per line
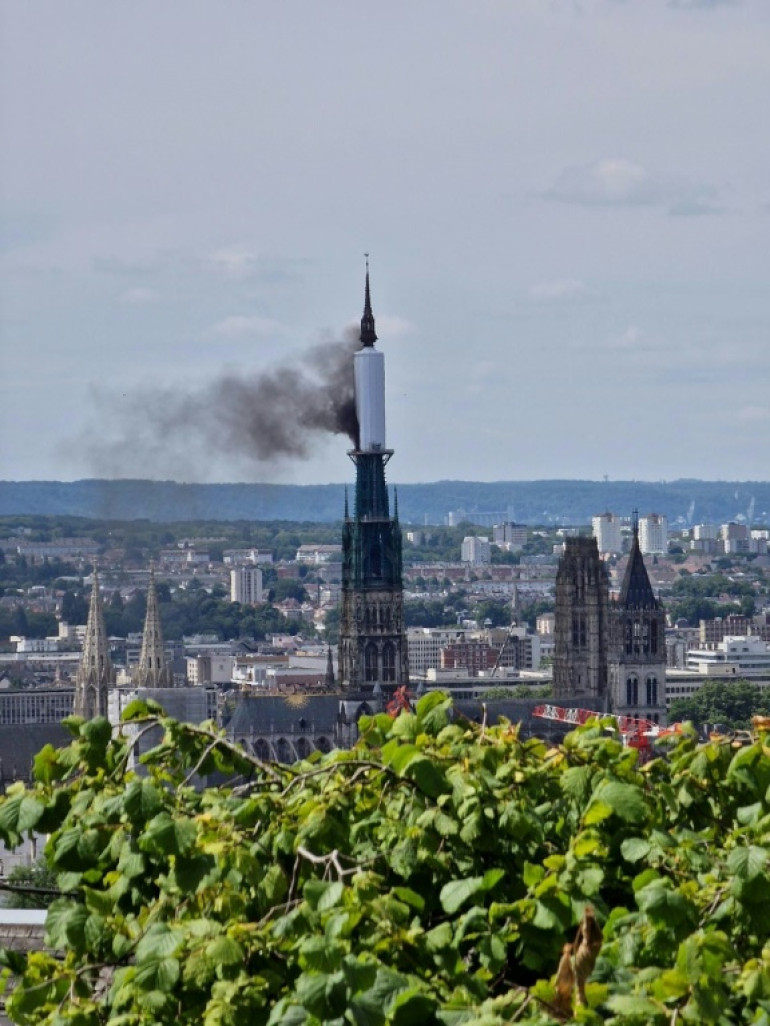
582, 623
637, 665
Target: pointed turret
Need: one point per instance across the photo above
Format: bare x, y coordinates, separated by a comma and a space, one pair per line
94, 674
329, 679
636, 591
368, 334
154, 671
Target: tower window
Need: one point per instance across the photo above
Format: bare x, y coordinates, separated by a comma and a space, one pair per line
652, 691
632, 691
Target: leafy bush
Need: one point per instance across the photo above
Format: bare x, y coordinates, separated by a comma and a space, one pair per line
433, 874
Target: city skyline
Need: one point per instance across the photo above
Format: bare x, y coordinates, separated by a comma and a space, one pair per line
566, 205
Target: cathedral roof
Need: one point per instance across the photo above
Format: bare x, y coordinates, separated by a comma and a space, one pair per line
636, 591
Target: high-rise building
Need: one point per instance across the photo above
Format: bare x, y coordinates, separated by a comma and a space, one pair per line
246, 585
581, 623
510, 536
95, 674
637, 661
653, 534
475, 550
607, 531
373, 653
154, 670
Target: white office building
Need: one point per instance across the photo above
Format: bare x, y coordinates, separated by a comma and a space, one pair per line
475, 550
653, 534
736, 656
246, 585
608, 534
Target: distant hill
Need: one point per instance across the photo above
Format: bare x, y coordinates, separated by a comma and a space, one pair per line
531, 502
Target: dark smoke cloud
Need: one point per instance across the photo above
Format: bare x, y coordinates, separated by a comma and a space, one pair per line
263, 418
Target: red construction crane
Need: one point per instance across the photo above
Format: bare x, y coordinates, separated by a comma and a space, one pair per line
635, 731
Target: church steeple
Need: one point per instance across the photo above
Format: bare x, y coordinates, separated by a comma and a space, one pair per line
94, 673
636, 591
154, 671
368, 334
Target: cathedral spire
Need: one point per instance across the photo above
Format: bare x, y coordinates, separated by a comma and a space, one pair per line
154, 671
636, 591
94, 673
368, 335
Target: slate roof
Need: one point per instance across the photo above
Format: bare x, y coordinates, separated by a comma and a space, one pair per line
636, 591
20, 743
284, 714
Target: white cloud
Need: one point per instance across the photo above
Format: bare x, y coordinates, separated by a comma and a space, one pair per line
138, 297
617, 182
239, 326
558, 289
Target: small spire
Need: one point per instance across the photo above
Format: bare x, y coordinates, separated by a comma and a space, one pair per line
368, 334
153, 671
329, 680
94, 674
635, 522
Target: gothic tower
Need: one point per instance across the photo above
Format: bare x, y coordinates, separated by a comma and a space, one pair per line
637, 661
582, 622
372, 646
94, 675
153, 671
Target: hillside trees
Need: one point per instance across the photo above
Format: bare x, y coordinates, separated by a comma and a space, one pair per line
433, 874
731, 703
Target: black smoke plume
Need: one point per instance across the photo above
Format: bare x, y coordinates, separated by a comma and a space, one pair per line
264, 417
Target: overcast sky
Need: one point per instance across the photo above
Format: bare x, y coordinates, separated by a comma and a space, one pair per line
566, 202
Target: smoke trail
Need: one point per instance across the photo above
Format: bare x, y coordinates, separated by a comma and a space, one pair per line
266, 417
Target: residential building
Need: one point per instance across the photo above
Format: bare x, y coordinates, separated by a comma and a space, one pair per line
607, 529
653, 534
475, 550
246, 585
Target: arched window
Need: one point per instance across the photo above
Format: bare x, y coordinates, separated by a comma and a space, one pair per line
632, 691
388, 661
629, 638
284, 751
654, 637
262, 750
652, 691
370, 662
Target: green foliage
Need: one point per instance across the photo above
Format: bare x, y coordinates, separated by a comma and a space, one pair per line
732, 703
432, 875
